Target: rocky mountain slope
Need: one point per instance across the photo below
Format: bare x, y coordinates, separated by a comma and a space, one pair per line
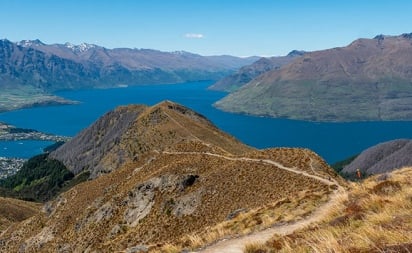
32, 68
370, 79
122, 135
179, 178
381, 158
248, 73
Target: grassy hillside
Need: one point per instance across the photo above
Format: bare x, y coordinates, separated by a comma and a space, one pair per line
165, 177
124, 134
376, 217
173, 196
14, 211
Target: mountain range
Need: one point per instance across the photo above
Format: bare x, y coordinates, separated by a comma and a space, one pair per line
31, 67
370, 79
248, 73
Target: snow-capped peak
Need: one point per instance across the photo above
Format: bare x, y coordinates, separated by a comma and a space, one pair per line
79, 48
30, 43
69, 45
84, 46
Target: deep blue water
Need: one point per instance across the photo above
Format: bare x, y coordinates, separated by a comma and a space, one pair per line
22, 149
333, 141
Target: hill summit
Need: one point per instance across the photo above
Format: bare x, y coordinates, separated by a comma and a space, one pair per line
122, 135
165, 175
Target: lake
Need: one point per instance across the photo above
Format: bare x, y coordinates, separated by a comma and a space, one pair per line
333, 141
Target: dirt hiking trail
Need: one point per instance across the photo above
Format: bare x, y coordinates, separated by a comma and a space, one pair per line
237, 245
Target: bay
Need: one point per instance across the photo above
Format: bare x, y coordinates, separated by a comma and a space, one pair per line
22, 149
333, 141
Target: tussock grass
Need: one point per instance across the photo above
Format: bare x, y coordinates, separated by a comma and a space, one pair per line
255, 248
376, 217
168, 248
286, 210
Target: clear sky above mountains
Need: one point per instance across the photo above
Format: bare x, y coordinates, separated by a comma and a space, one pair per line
207, 27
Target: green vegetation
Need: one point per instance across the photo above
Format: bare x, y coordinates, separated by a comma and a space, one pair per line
40, 179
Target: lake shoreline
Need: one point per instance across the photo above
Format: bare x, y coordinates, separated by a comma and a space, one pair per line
333, 141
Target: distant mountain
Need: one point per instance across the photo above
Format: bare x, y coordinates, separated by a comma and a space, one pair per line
165, 174
62, 66
248, 73
371, 79
25, 66
33, 67
381, 158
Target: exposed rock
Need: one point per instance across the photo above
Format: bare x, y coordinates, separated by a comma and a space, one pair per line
140, 202
36, 242
187, 204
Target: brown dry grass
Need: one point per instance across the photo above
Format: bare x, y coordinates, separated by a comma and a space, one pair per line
91, 216
301, 159
13, 210
225, 186
288, 209
376, 218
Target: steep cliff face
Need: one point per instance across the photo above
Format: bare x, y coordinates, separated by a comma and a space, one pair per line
368, 80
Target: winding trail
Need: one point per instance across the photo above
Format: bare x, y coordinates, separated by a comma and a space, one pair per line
237, 245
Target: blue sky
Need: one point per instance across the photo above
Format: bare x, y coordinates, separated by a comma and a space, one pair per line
207, 27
